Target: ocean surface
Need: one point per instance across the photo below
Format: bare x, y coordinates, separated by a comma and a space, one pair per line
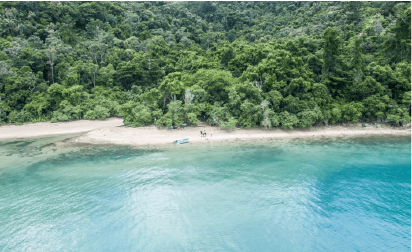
295, 195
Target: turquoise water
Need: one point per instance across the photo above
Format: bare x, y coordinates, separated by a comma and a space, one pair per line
301, 195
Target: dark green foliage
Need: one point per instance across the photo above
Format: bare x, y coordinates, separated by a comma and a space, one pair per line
270, 64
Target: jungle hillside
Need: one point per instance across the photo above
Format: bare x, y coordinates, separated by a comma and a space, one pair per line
233, 64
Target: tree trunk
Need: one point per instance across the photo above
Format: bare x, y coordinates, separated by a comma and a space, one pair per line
164, 102
32, 89
51, 65
95, 59
101, 60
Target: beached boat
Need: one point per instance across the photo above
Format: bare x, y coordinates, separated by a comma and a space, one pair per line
180, 141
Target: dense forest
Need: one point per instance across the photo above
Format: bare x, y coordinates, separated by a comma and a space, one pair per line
245, 64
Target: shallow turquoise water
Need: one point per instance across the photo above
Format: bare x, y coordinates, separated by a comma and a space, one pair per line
318, 195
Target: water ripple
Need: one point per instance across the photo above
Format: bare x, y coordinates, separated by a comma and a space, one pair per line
320, 195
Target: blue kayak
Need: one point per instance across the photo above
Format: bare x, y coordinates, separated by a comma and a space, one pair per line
180, 141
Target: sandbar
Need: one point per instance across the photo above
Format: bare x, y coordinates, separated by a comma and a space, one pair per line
45, 129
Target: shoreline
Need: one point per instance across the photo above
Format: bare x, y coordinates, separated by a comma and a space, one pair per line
48, 129
112, 131
148, 137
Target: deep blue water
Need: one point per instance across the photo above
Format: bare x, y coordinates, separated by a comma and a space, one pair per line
301, 195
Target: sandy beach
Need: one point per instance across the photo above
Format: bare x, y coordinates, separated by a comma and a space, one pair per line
112, 131
44, 129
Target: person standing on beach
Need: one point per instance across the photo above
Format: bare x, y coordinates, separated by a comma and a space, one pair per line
201, 133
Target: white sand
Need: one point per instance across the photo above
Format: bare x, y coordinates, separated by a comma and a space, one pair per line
112, 131
43, 129
152, 136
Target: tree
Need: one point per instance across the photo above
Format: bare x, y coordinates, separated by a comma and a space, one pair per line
331, 50
99, 112
137, 114
106, 76
236, 64
174, 115
398, 115
406, 100
251, 114
94, 70
39, 105
0, 107
353, 11
55, 48
335, 72
171, 86
98, 47
352, 111
51, 54
287, 120
398, 48
5, 70
358, 62
309, 117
